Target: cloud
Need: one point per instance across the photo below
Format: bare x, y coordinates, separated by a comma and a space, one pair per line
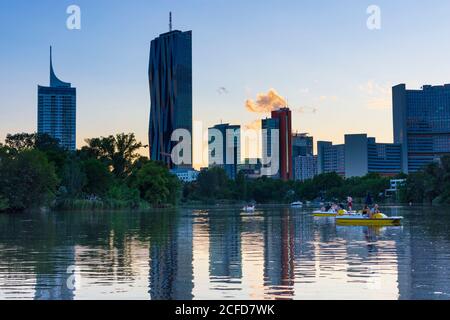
255, 125
266, 102
328, 98
378, 96
306, 109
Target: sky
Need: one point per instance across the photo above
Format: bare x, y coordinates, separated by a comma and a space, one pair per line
319, 55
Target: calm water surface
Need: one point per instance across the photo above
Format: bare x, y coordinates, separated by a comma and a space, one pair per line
223, 254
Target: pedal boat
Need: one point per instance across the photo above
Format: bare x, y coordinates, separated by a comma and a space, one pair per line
334, 214
377, 220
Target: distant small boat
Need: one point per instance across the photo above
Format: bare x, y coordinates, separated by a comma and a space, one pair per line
297, 204
249, 208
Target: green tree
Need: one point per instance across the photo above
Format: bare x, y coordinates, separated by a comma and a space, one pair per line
119, 191
241, 187
73, 177
21, 141
214, 184
118, 152
39, 141
157, 185
98, 177
27, 180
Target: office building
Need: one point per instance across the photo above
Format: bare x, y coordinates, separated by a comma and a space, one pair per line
270, 147
185, 175
57, 110
224, 148
170, 82
421, 124
281, 120
302, 144
305, 167
251, 168
364, 155
330, 158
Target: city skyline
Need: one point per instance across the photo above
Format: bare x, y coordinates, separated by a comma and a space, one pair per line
327, 103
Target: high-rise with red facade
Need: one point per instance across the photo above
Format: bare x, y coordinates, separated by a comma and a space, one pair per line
284, 117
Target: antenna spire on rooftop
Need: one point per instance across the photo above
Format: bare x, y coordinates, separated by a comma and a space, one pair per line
170, 21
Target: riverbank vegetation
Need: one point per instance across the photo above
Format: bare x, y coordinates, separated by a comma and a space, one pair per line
431, 185
214, 186
107, 173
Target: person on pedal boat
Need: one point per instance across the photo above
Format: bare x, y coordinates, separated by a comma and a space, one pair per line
350, 203
375, 210
366, 210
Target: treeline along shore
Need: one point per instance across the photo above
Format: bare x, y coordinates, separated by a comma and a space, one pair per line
108, 173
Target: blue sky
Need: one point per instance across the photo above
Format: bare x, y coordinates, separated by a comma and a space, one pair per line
319, 54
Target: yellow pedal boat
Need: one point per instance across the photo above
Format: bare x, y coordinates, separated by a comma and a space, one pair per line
324, 214
377, 220
333, 214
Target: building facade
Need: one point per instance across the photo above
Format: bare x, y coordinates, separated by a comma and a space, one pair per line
57, 106
270, 148
281, 120
421, 124
305, 167
330, 158
363, 155
170, 82
251, 168
302, 145
224, 148
185, 175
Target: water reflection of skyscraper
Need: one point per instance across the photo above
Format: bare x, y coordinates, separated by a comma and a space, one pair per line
171, 270
225, 248
279, 255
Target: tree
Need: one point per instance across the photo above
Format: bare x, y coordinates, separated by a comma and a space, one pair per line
39, 141
73, 177
21, 141
27, 180
214, 184
98, 177
118, 152
241, 190
157, 185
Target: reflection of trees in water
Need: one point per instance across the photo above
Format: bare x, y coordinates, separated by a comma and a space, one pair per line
104, 243
424, 271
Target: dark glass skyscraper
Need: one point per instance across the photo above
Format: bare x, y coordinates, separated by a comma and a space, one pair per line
170, 80
421, 124
57, 110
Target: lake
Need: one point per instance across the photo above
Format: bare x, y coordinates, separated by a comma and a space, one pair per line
276, 253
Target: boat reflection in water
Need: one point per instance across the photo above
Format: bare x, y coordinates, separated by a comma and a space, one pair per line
272, 253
